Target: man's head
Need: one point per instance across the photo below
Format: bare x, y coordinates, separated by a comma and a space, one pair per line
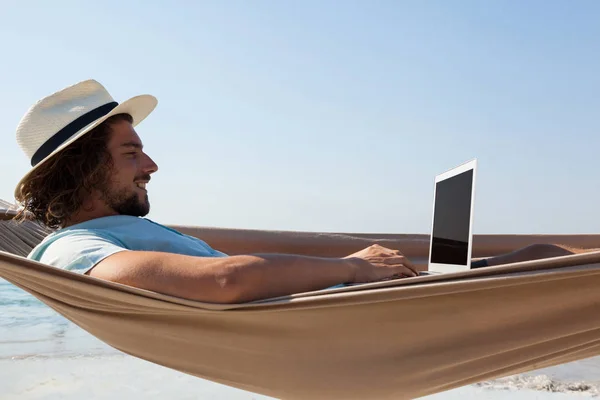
103, 173
87, 160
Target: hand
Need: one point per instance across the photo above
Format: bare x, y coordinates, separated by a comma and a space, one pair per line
377, 263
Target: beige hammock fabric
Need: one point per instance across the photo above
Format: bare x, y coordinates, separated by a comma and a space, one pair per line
389, 340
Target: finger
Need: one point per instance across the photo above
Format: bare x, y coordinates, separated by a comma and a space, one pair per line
399, 260
402, 269
390, 253
407, 271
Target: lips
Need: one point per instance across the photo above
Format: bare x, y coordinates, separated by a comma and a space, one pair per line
142, 181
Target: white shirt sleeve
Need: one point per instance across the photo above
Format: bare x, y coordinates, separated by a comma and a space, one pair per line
77, 251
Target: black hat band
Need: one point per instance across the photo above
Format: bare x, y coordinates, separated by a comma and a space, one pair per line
73, 127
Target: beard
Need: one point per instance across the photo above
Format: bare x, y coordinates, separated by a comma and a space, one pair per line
125, 202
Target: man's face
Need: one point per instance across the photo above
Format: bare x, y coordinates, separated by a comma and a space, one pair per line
125, 189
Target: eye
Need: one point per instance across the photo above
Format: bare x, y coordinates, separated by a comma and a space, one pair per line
131, 154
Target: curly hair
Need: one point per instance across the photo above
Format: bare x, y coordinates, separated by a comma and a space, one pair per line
56, 191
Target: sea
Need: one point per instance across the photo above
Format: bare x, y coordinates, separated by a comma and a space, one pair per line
45, 356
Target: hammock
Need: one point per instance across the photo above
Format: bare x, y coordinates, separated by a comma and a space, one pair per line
397, 339
20, 238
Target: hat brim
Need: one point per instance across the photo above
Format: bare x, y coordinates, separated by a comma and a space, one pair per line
139, 107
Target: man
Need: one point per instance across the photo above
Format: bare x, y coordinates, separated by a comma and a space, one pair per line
89, 181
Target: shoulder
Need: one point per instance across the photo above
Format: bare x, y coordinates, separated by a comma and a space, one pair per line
76, 249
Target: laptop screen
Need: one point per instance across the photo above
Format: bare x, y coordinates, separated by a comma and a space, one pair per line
451, 220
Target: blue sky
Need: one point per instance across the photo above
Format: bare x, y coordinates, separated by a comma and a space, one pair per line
332, 115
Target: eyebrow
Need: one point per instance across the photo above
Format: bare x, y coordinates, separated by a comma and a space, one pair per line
132, 144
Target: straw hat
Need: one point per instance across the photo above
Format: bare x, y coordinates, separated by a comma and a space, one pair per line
56, 121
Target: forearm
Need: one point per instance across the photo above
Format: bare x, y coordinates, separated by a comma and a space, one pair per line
234, 279
260, 276
533, 252
244, 241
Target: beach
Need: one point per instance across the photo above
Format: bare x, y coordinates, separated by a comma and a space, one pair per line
124, 377
44, 356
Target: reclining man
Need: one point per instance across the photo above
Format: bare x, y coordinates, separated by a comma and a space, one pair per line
89, 182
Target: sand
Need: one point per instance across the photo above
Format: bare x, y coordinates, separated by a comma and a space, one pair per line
114, 377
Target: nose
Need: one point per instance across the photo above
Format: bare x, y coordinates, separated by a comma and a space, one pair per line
149, 165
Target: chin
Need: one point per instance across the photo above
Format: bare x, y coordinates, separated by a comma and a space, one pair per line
132, 206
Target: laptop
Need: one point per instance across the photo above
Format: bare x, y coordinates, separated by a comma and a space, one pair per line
451, 229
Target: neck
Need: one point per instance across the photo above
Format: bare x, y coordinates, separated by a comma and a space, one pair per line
89, 211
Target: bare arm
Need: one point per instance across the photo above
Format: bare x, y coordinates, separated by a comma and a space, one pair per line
243, 278
535, 252
245, 241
